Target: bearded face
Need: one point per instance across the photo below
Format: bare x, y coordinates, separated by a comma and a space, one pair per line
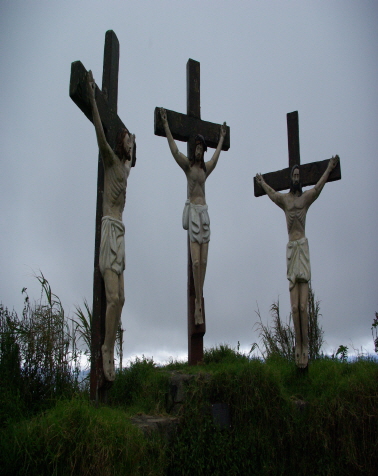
198, 154
124, 144
128, 143
295, 185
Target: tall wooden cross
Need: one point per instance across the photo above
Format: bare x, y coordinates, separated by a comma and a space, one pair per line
107, 106
310, 173
185, 127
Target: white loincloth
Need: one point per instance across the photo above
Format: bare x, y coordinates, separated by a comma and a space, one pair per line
298, 262
112, 247
196, 220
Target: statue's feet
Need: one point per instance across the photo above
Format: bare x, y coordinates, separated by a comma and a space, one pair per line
301, 356
198, 317
108, 363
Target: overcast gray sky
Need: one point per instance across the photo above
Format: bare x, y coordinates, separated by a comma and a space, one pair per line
259, 61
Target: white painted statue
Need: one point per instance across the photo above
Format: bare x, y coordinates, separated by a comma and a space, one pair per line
195, 217
117, 165
295, 204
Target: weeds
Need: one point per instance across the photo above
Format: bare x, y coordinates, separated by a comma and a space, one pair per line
39, 358
342, 353
83, 328
76, 438
222, 353
323, 423
374, 332
279, 337
140, 386
281, 422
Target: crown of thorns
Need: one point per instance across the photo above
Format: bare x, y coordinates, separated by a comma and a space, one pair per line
201, 140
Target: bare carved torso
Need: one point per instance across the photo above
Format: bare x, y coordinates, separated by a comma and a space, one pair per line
115, 182
295, 211
196, 177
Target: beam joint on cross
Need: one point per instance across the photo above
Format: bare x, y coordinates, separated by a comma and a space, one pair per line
184, 127
310, 172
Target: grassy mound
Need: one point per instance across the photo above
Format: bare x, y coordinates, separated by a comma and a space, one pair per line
324, 422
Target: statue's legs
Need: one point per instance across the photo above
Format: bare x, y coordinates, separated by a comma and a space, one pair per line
115, 298
199, 261
303, 311
298, 301
203, 263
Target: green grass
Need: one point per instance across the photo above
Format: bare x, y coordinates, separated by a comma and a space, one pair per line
76, 438
334, 432
283, 421
323, 422
140, 388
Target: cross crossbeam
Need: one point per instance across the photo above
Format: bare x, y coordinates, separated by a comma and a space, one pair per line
110, 120
310, 172
183, 127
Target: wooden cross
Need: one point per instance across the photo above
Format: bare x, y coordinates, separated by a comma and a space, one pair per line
310, 173
107, 107
185, 127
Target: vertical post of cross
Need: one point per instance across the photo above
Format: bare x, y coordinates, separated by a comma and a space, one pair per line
98, 384
293, 138
193, 109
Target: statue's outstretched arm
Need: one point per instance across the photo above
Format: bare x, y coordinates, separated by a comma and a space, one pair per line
105, 149
210, 165
276, 197
178, 156
314, 193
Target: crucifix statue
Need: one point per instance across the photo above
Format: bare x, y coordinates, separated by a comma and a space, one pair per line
199, 135
117, 156
295, 205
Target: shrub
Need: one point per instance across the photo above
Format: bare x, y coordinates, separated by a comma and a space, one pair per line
279, 338
39, 359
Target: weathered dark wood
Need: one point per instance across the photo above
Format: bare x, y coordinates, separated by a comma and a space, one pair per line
78, 93
193, 110
111, 122
110, 72
185, 127
193, 89
182, 127
195, 333
309, 173
107, 106
293, 138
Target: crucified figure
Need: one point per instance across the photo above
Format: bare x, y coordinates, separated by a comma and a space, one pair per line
117, 166
195, 217
295, 204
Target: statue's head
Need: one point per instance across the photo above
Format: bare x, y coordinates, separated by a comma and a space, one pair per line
199, 151
295, 182
123, 144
